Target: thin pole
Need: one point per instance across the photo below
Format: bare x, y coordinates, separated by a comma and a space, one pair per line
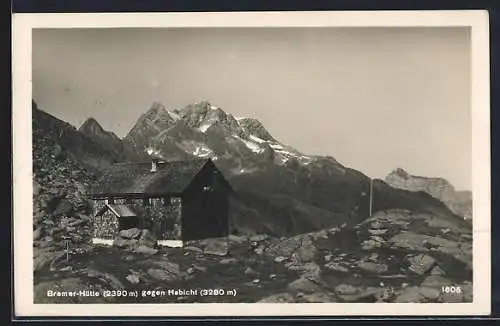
371, 196
67, 250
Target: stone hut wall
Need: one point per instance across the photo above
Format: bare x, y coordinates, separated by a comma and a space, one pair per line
161, 216
105, 226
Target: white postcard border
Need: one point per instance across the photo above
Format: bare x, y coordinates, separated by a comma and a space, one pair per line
22, 157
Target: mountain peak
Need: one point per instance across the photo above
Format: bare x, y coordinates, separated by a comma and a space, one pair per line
202, 115
198, 108
437, 187
91, 126
400, 172
150, 123
157, 106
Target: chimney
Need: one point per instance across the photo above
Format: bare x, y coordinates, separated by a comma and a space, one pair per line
154, 165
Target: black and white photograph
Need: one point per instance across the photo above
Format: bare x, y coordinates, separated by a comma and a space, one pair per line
255, 164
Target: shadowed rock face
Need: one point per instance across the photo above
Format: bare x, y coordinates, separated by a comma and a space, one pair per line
92, 128
149, 124
109, 141
460, 202
255, 127
92, 146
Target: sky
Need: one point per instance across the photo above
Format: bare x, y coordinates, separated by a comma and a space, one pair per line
373, 98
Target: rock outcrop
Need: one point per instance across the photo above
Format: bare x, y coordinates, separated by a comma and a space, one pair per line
460, 202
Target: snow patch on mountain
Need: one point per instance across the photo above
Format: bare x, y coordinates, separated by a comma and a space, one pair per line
204, 127
257, 139
254, 147
283, 159
276, 146
285, 155
174, 115
196, 148
202, 151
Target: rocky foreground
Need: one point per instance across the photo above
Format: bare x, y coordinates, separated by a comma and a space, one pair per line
394, 256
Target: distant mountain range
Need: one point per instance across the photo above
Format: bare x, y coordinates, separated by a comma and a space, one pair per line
279, 190
460, 202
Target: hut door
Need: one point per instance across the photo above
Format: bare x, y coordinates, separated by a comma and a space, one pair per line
164, 228
170, 229
171, 224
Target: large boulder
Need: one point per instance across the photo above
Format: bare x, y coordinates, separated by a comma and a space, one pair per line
420, 264
306, 253
259, 237
212, 246
164, 270
145, 250
168, 272
218, 247
346, 289
372, 267
286, 247
304, 285
132, 278
310, 269
237, 239
371, 244
133, 233
43, 258
415, 294
302, 247
336, 267
37, 233
435, 281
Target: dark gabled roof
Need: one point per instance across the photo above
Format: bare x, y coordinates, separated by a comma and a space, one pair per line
119, 210
136, 178
122, 210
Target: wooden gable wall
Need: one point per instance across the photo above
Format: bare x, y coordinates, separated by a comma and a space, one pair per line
205, 210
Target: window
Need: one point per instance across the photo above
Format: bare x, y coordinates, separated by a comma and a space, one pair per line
167, 202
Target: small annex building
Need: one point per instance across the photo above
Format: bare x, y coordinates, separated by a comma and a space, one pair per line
177, 201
